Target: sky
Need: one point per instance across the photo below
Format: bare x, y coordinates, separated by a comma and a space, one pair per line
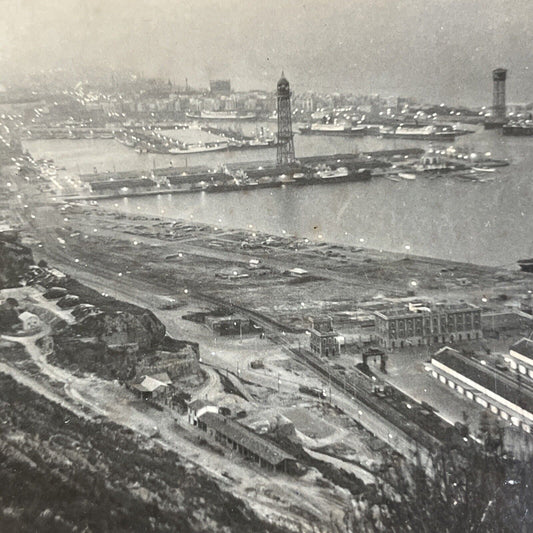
434, 50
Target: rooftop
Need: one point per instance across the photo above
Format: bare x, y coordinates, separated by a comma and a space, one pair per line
502, 386
524, 347
119, 184
198, 404
435, 308
237, 433
150, 384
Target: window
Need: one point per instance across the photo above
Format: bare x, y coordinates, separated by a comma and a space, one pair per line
482, 402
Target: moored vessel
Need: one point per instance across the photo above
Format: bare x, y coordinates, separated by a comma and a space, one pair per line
526, 264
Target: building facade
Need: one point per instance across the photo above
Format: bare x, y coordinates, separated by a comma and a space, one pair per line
323, 341
520, 357
418, 326
251, 446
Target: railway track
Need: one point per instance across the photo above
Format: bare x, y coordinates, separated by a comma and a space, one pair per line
358, 388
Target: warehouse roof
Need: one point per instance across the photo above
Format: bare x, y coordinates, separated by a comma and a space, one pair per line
524, 347
119, 184
503, 386
265, 450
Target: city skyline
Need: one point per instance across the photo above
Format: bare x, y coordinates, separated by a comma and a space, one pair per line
368, 47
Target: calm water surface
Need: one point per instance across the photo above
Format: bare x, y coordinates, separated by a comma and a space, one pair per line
488, 223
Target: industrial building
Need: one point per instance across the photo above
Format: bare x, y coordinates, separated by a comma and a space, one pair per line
246, 443
418, 325
155, 387
505, 397
197, 408
232, 325
323, 340
122, 186
521, 357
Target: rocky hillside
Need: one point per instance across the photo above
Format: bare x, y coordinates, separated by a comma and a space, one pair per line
14, 261
64, 474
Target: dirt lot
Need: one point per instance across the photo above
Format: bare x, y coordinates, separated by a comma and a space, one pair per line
182, 257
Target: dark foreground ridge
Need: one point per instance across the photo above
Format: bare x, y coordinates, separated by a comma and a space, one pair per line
64, 474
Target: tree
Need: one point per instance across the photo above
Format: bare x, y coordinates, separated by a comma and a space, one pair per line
479, 493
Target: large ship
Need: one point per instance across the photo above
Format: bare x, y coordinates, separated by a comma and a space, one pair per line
524, 128
222, 115
333, 129
420, 133
526, 264
199, 148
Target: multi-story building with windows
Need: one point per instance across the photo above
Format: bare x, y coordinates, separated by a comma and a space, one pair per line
324, 341
419, 325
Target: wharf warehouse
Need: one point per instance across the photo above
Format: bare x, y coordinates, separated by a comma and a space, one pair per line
419, 325
509, 399
246, 443
122, 186
521, 357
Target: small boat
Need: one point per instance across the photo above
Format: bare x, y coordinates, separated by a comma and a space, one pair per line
391, 178
407, 176
483, 169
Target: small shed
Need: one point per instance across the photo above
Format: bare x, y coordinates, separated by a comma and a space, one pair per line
197, 408
29, 321
151, 388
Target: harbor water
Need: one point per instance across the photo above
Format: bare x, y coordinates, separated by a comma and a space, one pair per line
486, 222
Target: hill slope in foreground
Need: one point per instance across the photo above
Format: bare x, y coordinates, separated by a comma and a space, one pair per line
63, 473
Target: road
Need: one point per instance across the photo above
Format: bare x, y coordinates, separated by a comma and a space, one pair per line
138, 292
100, 278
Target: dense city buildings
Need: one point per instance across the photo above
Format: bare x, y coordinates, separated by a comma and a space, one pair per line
418, 325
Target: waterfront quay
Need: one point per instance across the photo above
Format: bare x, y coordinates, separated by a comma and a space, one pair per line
279, 282
259, 174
